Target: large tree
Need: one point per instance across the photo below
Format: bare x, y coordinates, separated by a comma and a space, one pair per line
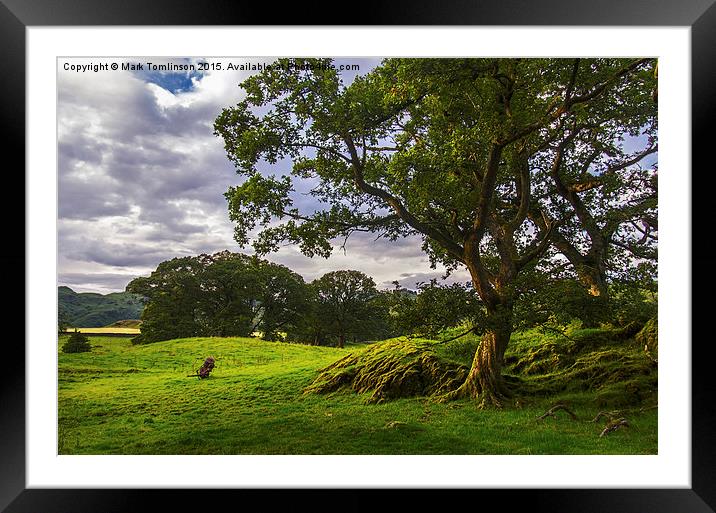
481, 158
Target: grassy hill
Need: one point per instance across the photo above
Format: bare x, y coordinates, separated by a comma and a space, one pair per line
92, 310
124, 399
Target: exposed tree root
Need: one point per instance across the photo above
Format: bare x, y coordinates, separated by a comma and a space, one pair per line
613, 425
494, 397
618, 374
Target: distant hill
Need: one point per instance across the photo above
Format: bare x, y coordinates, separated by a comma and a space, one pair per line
90, 310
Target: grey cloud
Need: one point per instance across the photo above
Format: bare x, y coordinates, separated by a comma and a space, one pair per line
105, 281
86, 200
78, 147
381, 250
117, 254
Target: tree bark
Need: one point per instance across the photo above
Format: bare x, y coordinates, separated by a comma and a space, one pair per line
341, 340
484, 382
593, 279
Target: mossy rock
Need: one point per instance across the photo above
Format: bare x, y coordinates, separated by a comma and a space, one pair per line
390, 370
648, 337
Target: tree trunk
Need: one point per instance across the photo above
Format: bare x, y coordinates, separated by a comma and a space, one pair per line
484, 382
341, 340
593, 279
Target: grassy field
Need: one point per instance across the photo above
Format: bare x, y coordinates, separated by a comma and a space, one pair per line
124, 399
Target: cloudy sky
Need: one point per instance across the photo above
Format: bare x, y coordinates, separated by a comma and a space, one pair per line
142, 177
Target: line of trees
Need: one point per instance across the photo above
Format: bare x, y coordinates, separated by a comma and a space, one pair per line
232, 294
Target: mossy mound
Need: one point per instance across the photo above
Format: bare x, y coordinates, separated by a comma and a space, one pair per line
615, 370
393, 369
648, 337
546, 358
602, 365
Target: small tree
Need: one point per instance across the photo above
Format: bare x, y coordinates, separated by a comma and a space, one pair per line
62, 321
77, 343
347, 305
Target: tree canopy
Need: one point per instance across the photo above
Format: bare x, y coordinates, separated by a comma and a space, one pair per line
347, 305
225, 294
505, 167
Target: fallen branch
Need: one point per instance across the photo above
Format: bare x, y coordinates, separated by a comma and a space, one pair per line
614, 425
555, 408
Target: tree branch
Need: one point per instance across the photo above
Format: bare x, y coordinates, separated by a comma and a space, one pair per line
538, 247
450, 245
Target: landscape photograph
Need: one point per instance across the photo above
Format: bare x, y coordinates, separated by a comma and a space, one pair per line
357, 256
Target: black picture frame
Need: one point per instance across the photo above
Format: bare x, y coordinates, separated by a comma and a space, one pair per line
16, 15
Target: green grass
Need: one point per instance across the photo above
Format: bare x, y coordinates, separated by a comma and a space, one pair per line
124, 399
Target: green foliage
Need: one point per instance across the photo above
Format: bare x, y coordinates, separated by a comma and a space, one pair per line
459, 350
342, 305
557, 302
90, 310
434, 308
218, 295
77, 343
522, 171
62, 322
632, 303
408, 149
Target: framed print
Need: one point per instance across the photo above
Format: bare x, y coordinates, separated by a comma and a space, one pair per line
134, 124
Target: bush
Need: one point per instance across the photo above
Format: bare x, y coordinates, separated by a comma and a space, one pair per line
77, 343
